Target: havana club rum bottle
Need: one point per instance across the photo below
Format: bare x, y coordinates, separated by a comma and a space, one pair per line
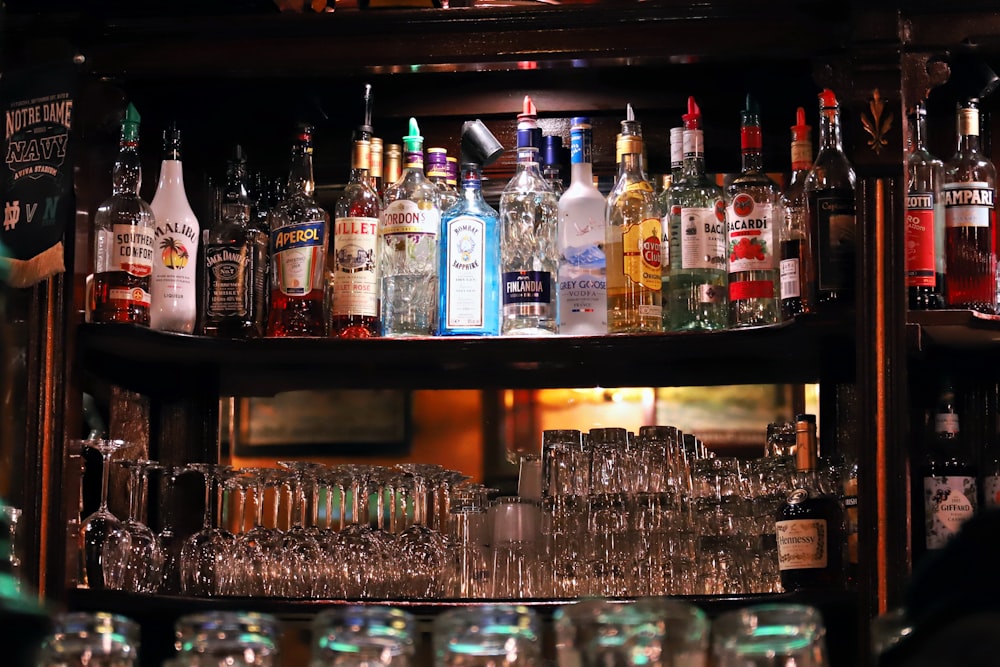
299, 228
123, 238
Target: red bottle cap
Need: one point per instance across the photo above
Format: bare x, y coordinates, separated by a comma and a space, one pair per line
692, 119
828, 99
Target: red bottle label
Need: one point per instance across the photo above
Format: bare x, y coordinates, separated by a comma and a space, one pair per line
920, 241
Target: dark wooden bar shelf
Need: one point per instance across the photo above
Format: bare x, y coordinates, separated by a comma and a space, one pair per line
956, 330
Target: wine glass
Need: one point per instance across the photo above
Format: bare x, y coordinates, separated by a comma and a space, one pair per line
423, 550
133, 558
96, 527
204, 554
297, 551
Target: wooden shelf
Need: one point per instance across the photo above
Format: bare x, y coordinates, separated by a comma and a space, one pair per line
954, 329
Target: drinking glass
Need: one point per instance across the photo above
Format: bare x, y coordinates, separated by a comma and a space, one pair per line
685, 631
889, 629
297, 551
205, 556
254, 548
230, 638
95, 528
421, 549
362, 550
363, 636
517, 571
770, 635
492, 635
84, 639
171, 541
133, 557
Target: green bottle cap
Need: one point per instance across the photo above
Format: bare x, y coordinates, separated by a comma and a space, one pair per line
413, 142
130, 124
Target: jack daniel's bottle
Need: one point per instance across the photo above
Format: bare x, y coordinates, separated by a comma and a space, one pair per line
810, 523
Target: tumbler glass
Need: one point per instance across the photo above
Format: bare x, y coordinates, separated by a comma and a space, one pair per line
770, 635
363, 636
227, 639
492, 635
83, 639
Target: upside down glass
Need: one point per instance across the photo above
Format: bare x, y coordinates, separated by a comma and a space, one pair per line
83, 639
227, 639
492, 635
363, 636
770, 635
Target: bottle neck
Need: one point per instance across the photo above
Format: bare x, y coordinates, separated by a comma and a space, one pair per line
631, 164
300, 178
414, 161
171, 174
694, 152
829, 129
581, 157
472, 184
918, 137
527, 158
802, 156
235, 200
127, 174
750, 144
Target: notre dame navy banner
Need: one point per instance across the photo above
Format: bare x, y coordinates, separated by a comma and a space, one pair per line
38, 202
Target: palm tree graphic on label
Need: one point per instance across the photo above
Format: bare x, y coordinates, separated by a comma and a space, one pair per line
175, 255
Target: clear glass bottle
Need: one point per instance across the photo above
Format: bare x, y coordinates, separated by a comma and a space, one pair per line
583, 294
392, 166
632, 241
376, 167
798, 266
124, 238
529, 220
173, 289
234, 282
299, 228
670, 216
354, 302
754, 222
408, 242
924, 219
552, 163
830, 207
970, 223
469, 300
437, 173
698, 271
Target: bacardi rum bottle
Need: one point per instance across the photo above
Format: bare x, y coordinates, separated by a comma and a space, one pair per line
408, 247
175, 264
699, 271
830, 207
970, 220
583, 296
529, 219
924, 219
754, 218
633, 239
354, 304
798, 266
123, 238
299, 228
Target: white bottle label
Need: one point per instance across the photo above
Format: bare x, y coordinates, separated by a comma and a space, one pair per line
465, 298
408, 217
751, 235
129, 249
355, 283
582, 272
949, 502
967, 204
790, 278
296, 251
801, 544
173, 287
703, 238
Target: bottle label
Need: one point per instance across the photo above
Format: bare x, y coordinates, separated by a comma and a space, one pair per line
703, 238
580, 146
229, 270
946, 423
641, 247
851, 518
173, 285
991, 492
297, 252
135, 295
694, 144
405, 216
355, 284
949, 502
967, 204
920, 241
465, 295
789, 269
837, 228
801, 544
751, 235
131, 250
522, 288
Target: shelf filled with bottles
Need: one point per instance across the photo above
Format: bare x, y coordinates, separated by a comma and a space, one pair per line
801, 351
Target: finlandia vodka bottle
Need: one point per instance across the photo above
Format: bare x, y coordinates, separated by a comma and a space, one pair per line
633, 240
699, 271
798, 266
470, 258
754, 219
970, 220
583, 295
529, 218
174, 291
924, 219
123, 238
829, 189
408, 247
299, 228
670, 216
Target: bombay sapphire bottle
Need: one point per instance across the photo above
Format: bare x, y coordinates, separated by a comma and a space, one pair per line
469, 302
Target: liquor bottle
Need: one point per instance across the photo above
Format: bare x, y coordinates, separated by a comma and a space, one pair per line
354, 302
798, 266
698, 271
375, 169
437, 173
234, 281
452, 180
949, 475
924, 219
754, 222
809, 525
552, 163
830, 208
632, 241
529, 219
299, 227
173, 290
849, 493
123, 238
408, 247
970, 220
583, 294
392, 165
990, 483
670, 216
469, 293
